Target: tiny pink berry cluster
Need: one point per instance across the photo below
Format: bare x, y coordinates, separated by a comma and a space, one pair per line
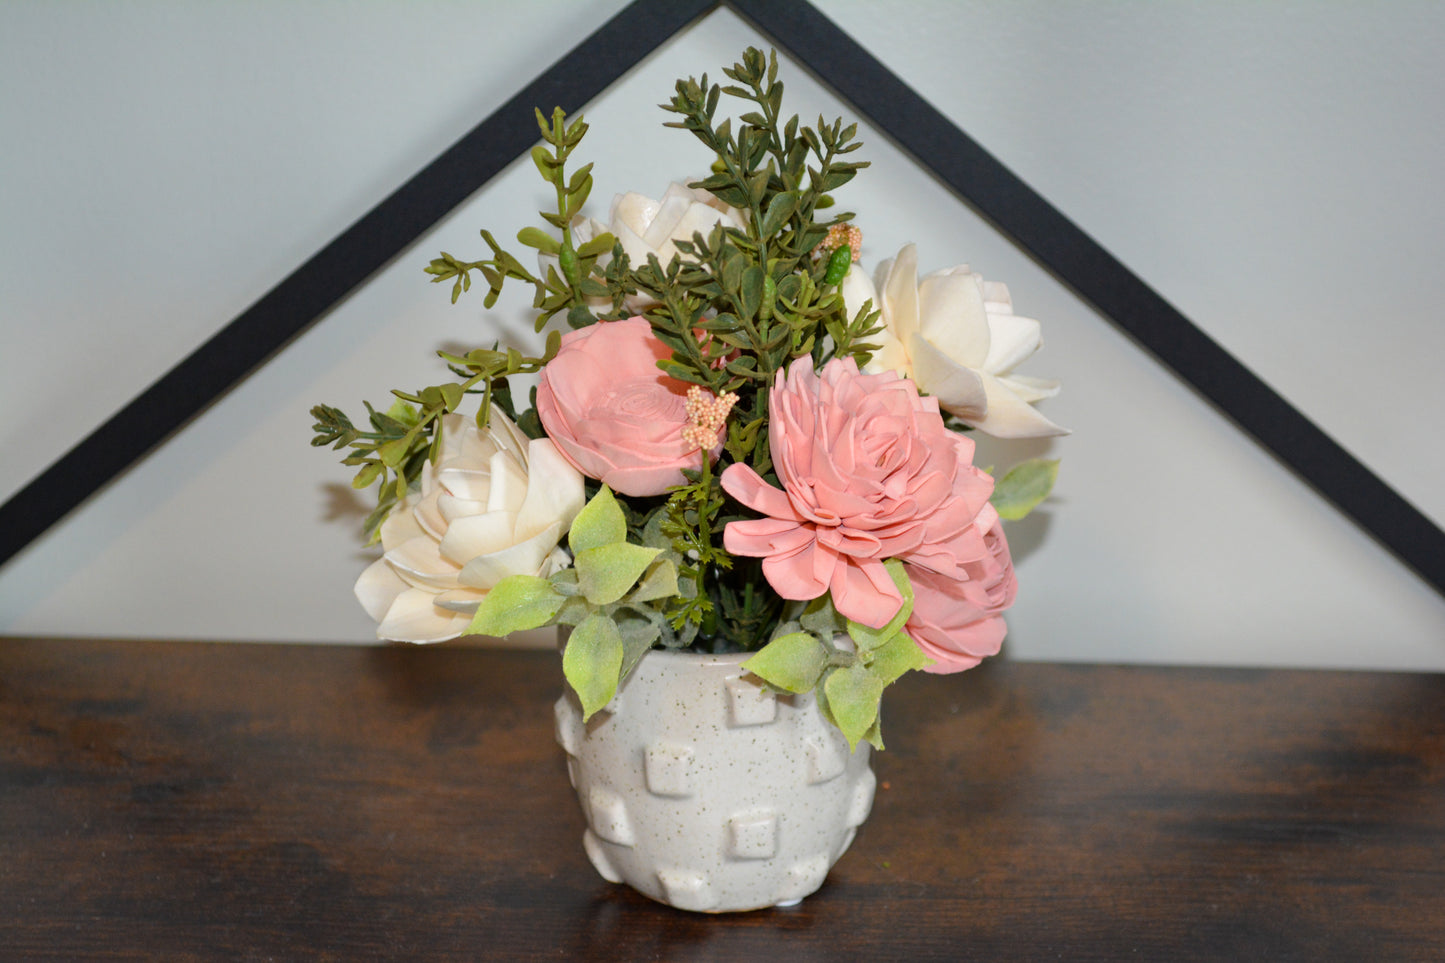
839, 235
706, 416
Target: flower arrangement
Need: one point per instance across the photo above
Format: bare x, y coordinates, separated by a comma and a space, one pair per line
742, 443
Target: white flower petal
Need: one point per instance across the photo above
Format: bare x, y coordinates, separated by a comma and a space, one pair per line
1009, 416
509, 483
478, 535
451, 508
401, 524
857, 289
377, 588
524, 558
555, 490
462, 600
420, 562
890, 356
959, 389
414, 617
633, 211
900, 294
508, 436
996, 297
554, 563
670, 213
1014, 339
953, 319
633, 244
427, 514
1030, 389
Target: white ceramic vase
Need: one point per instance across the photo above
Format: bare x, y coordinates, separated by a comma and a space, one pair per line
704, 790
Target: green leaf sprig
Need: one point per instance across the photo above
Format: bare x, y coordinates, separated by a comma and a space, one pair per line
809, 654
605, 596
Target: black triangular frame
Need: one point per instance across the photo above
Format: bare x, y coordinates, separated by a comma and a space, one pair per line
1009, 205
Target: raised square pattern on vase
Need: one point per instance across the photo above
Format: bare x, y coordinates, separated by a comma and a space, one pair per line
804, 878
668, 768
753, 835
687, 889
569, 725
862, 802
827, 756
749, 704
609, 816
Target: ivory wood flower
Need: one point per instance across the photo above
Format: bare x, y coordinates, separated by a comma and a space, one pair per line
495, 504
646, 226
957, 336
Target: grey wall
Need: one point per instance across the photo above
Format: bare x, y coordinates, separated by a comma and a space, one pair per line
1270, 168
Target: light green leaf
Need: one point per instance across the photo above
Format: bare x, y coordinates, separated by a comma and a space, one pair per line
822, 619
539, 239
592, 662
868, 638
660, 582
1025, 485
898, 655
367, 475
600, 522
601, 244
517, 603
639, 628
853, 696
605, 573
394, 452
403, 412
573, 611
452, 395
792, 662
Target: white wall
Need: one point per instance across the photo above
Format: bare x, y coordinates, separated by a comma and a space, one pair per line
1269, 168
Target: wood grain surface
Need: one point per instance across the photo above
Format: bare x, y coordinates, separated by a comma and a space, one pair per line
176, 801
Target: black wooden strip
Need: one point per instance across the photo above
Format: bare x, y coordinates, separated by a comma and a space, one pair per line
331, 274
1096, 276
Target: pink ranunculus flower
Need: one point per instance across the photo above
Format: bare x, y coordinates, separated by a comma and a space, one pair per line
869, 473
957, 622
614, 414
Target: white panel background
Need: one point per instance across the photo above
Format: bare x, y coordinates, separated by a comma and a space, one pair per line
1269, 168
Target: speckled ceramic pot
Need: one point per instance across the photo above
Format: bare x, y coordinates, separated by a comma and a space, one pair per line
704, 790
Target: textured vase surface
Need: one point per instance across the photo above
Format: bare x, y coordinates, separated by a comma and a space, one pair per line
706, 791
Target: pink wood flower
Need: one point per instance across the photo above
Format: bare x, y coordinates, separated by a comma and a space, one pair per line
957, 622
614, 415
869, 473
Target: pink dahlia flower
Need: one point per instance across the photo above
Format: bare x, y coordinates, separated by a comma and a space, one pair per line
869, 473
613, 414
957, 622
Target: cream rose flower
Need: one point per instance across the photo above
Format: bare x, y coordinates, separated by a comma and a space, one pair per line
956, 335
494, 504
645, 226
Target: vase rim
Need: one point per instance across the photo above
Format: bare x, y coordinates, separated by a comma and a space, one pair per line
703, 658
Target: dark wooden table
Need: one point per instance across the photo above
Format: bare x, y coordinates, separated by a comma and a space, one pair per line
172, 801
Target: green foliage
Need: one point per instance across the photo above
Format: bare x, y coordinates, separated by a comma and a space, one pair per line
792, 662
1026, 484
600, 523
515, 604
407, 436
848, 670
592, 662
606, 596
734, 307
